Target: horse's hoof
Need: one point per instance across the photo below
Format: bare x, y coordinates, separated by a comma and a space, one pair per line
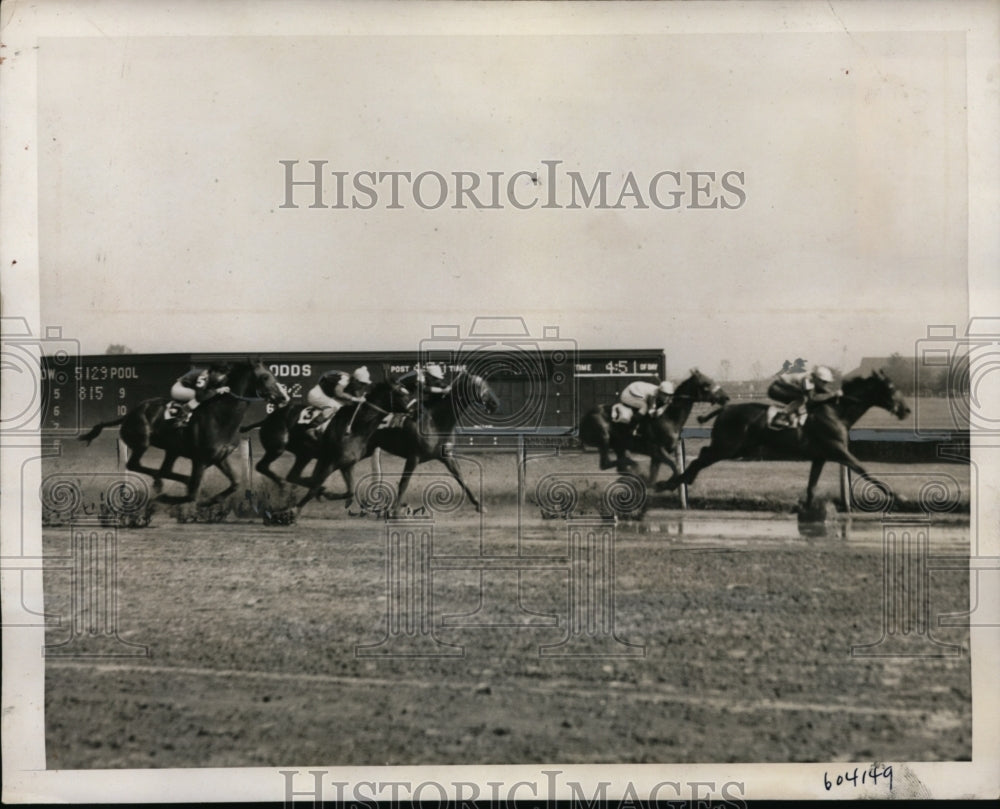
481, 508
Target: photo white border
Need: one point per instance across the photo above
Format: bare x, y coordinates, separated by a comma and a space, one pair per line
21, 25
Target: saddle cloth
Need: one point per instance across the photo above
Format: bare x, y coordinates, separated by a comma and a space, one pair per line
621, 414
392, 420
306, 420
780, 419
172, 411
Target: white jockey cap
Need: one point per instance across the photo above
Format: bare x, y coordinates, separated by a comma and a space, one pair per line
361, 375
823, 374
667, 388
435, 370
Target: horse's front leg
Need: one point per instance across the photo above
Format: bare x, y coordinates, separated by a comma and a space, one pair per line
226, 467
452, 465
264, 466
708, 456
323, 469
404, 480
841, 454
661, 456
654, 468
814, 472
348, 473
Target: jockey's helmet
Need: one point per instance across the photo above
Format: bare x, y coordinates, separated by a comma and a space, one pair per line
822, 374
666, 388
361, 375
217, 372
434, 371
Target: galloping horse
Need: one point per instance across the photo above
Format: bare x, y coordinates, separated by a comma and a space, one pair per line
659, 439
207, 439
741, 430
431, 434
280, 431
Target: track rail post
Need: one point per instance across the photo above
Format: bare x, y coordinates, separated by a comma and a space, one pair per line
681, 465
845, 488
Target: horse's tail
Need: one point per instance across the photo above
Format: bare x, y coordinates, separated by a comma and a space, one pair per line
253, 426
711, 414
96, 430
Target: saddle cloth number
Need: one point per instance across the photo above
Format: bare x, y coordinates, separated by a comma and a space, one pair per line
172, 411
307, 414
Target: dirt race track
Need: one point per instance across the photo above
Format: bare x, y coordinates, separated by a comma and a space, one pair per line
730, 640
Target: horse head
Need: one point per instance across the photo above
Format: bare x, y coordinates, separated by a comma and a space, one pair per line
265, 385
471, 390
390, 395
702, 388
875, 390
887, 396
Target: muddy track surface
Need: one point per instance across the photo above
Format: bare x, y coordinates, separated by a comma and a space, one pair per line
717, 640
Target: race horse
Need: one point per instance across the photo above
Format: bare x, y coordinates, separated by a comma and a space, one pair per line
742, 430
208, 439
430, 434
342, 443
658, 437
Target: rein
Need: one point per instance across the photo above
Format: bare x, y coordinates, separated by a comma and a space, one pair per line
357, 409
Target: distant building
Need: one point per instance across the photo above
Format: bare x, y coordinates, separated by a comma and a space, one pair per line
924, 379
904, 367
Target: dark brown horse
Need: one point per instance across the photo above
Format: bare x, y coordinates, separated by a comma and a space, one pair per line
741, 430
208, 439
430, 435
280, 431
658, 437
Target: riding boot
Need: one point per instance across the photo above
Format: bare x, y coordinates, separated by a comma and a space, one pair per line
185, 413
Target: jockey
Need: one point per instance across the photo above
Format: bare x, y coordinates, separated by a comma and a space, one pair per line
645, 398
425, 383
800, 389
430, 381
198, 385
335, 389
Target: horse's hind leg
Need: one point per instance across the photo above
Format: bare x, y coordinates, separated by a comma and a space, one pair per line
166, 468
193, 484
134, 464
603, 443
619, 442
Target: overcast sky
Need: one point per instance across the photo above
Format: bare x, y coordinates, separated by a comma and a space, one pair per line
160, 191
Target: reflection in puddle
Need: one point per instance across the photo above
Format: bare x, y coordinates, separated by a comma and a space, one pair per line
790, 529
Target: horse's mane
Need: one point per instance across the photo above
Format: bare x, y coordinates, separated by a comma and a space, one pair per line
690, 382
853, 385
